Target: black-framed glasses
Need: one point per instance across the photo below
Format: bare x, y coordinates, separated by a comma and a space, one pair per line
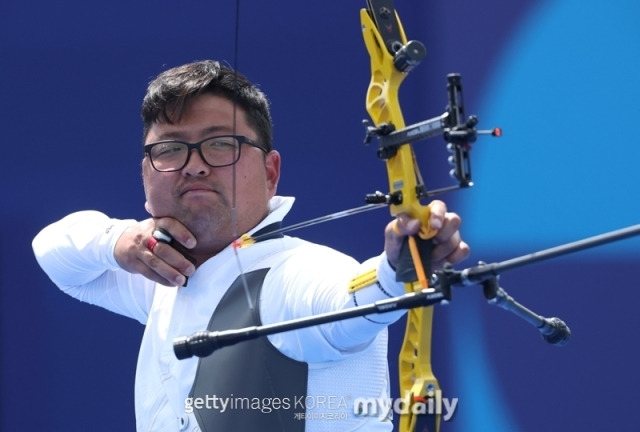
217, 151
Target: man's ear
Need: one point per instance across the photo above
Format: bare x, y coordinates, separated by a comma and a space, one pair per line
272, 165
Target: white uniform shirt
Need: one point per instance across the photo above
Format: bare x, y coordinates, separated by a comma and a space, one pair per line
347, 359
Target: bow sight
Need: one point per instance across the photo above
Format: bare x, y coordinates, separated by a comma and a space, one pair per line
458, 133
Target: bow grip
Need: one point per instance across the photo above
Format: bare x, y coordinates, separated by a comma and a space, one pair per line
407, 270
414, 261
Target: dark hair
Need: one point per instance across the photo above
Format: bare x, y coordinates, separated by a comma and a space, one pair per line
170, 93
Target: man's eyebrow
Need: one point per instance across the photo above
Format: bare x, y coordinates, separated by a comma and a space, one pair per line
204, 133
219, 130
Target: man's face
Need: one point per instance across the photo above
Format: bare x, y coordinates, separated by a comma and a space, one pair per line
202, 197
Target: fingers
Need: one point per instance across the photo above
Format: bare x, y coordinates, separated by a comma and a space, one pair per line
448, 244
453, 250
176, 230
437, 215
169, 264
405, 225
138, 251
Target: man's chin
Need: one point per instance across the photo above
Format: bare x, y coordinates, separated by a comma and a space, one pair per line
206, 222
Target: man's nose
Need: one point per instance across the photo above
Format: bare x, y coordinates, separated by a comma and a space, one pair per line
196, 166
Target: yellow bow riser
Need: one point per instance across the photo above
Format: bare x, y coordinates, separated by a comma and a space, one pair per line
417, 381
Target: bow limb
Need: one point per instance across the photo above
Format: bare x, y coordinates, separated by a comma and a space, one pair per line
417, 381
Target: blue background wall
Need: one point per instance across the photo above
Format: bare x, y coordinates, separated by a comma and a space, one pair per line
558, 76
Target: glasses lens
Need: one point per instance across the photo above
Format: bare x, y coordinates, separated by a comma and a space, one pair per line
168, 156
221, 151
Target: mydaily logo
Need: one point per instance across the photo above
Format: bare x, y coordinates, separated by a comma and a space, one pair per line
382, 408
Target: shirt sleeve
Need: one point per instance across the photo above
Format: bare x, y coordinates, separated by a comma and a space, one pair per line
355, 334
77, 255
315, 282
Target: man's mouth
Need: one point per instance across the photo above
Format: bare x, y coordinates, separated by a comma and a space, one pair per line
196, 189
